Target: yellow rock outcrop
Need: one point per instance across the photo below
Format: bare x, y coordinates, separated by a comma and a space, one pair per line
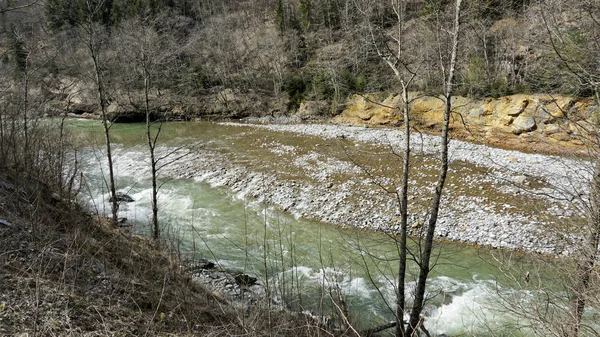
536, 122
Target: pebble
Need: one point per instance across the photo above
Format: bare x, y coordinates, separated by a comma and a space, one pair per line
462, 218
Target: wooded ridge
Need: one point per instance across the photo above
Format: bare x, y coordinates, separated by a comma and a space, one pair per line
235, 59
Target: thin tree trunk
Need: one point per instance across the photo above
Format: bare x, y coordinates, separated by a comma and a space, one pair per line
585, 265
393, 60
102, 100
151, 147
415, 316
2, 139
401, 296
25, 111
111, 174
13, 139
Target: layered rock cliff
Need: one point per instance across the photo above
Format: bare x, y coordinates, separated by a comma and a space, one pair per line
536, 122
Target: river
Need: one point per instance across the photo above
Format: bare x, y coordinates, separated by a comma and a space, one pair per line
473, 291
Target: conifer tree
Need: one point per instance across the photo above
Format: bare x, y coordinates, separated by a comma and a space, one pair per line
305, 9
280, 16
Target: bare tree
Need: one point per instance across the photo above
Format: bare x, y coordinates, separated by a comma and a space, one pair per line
448, 70
149, 55
96, 40
577, 52
395, 49
392, 49
25, 49
145, 56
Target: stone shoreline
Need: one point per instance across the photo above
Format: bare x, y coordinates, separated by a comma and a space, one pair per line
462, 218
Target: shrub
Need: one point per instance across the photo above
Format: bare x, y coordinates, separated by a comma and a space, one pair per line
296, 86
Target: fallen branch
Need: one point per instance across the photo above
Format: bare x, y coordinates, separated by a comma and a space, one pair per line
371, 332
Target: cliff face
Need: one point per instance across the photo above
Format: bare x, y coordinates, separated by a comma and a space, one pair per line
536, 122
78, 98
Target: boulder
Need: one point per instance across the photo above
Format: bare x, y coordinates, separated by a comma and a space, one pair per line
476, 112
245, 280
516, 110
554, 111
551, 129
523, 124
122, 197
201, 264
506, 120
560, 136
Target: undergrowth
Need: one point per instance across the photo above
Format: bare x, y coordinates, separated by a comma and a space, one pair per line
66, 272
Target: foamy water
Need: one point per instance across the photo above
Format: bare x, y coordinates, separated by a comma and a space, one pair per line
233, 226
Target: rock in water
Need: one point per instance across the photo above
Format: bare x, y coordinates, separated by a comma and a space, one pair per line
245, 280
122, 197
202, 264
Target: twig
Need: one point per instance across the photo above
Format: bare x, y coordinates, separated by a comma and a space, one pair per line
162, 292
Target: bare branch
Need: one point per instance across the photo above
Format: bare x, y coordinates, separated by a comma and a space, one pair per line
14, 8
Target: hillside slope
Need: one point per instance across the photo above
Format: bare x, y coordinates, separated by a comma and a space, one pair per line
236, 59
64, 272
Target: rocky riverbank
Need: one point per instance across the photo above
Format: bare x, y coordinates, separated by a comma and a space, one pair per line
545, 123
228, 285
494, 197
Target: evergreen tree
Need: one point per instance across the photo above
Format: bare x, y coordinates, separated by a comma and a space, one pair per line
305, 9
60, 13
280, 16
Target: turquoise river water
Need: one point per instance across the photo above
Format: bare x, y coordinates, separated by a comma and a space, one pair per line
472, 291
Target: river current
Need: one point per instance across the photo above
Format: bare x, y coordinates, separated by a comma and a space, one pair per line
472, 291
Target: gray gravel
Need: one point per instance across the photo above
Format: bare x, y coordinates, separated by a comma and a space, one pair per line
462, 218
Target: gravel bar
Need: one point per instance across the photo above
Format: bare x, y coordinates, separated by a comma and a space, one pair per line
463, 218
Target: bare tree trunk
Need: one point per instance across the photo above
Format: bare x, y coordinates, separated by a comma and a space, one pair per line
152, 147
25, 112
94, 50
111, 173
415, 315
403, 200
2, 155
586, 263
396, 61
148, 55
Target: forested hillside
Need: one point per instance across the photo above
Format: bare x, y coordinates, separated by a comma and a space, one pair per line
235, 58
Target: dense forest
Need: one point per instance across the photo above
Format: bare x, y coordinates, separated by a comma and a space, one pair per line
238, 58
